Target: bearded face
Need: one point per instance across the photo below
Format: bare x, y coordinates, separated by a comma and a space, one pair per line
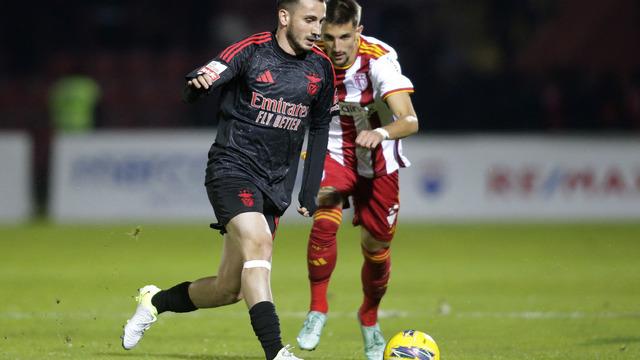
304, 25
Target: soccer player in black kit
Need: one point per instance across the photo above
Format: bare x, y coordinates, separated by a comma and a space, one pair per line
274, 87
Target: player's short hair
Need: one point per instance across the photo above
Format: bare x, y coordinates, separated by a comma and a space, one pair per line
343, 11
286, 4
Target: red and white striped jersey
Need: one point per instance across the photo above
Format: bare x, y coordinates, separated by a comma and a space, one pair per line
362, 89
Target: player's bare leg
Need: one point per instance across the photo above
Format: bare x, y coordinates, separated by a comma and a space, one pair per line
244, 272
207, 292
375, 276
253, 236
321, 261
224, 288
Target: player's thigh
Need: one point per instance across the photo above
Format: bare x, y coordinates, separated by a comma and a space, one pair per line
251, 233
272, 215
337, 183
377, 203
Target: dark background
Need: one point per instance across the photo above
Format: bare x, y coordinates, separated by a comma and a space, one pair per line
544, 66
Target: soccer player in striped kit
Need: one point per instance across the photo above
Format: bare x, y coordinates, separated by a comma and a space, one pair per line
364, 154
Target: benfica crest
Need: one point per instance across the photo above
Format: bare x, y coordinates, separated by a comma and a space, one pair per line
313, 86
360, 81
246, 196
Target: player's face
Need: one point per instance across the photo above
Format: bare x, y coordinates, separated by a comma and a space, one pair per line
305, 23
341, 42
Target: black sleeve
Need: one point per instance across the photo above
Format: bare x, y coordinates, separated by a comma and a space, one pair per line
323, 111
221, 69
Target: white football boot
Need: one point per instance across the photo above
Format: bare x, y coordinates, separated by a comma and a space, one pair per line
285, 353
145, 315
373, 341
309, 335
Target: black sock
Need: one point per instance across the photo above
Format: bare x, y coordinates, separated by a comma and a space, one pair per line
175, 299
267, 327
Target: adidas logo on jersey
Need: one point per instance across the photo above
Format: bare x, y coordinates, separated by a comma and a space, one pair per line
265, 77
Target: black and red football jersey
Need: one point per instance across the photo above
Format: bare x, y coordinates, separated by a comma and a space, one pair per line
269, 99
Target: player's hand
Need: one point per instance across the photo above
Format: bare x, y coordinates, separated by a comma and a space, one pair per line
369, 139
304, 212
203, 81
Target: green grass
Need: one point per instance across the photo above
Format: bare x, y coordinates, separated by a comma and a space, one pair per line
482, 291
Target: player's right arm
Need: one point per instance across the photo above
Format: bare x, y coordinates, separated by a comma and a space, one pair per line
224, 67
203, 80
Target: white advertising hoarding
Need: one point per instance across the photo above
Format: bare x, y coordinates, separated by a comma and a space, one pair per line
521, 178
130, 176
15, 177
159, 176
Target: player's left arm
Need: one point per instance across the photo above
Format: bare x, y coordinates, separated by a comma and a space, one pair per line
322, 113
313, 166
406, 122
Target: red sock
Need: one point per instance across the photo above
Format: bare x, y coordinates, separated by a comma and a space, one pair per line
321, 255
375, 276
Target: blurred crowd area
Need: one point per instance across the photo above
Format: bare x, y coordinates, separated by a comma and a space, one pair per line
477, 65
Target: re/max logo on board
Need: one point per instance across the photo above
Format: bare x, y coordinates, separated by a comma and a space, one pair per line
589, 181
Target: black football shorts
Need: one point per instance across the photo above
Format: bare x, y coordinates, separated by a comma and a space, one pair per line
233, 196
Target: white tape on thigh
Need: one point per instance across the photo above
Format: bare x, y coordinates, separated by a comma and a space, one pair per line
257, 264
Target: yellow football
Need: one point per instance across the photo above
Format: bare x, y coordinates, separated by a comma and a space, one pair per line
412, 344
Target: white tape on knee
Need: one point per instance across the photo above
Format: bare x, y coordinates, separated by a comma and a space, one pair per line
251, 264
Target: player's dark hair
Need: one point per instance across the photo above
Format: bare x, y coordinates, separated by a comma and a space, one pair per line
343, 11
286, 4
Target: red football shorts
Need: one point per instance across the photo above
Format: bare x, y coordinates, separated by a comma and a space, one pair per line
376, 201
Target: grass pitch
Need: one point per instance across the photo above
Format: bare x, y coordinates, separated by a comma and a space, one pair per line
482, 291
